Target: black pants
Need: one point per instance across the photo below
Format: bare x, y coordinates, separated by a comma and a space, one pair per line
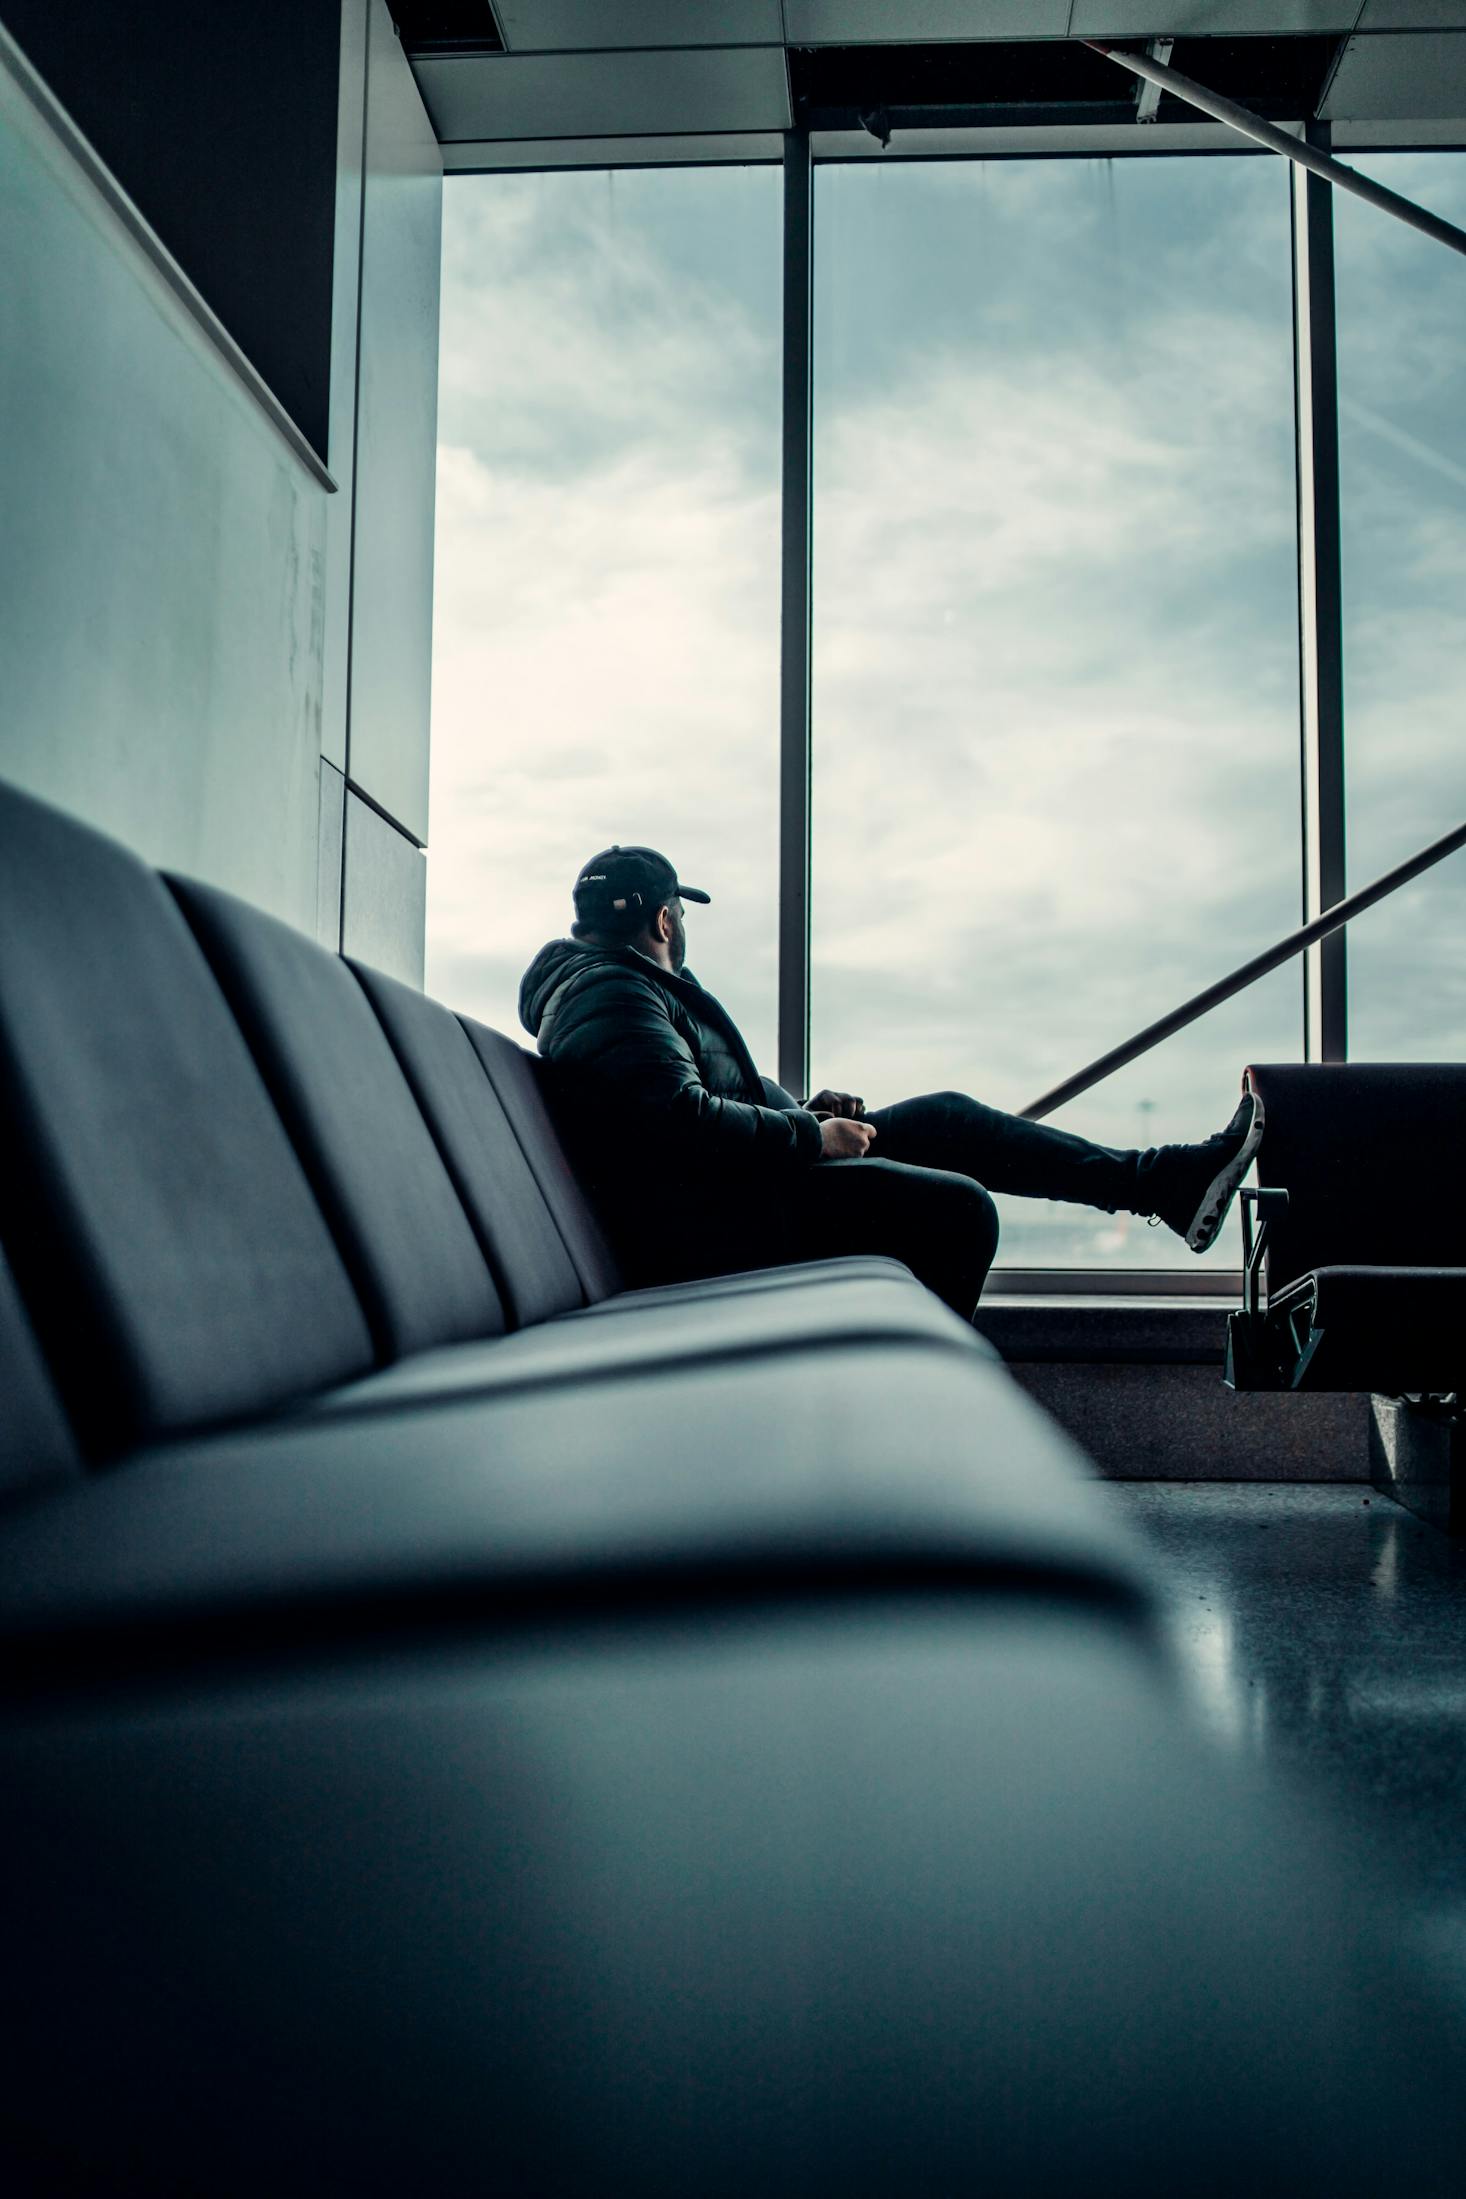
922, 1193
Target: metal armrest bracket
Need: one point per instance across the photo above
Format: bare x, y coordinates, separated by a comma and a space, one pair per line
1251, 1364
1254, 1242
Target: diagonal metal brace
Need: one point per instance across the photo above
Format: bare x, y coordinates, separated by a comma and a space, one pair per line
1295, 149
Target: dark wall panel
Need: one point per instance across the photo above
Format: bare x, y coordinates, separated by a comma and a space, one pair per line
221, 123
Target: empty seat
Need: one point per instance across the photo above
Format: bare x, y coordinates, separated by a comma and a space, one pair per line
870, 1891
1365, 1259
417, 1266
1373, 1159
1390, 1329
523, 1232
678, 1329
514, 1077
812, 1474
168, 1246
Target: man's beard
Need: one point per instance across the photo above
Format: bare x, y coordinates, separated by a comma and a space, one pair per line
677, 944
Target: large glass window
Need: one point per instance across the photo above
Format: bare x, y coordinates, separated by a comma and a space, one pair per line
607, 594
1402, 455
1055, 665
1055, 669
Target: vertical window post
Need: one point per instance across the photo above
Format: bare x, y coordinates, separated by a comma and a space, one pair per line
794, 683
1320, 610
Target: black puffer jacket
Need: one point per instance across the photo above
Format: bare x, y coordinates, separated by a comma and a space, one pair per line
665, 1056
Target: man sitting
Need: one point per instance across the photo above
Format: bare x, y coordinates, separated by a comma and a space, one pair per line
701, 1165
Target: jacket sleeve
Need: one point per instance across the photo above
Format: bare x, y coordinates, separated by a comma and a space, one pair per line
621, 1031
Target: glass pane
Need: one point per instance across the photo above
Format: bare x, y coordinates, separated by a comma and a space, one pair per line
1402, 458
1055, 677
606, 632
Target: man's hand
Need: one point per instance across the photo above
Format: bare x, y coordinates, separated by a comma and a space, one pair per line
836, 1103
844, 1140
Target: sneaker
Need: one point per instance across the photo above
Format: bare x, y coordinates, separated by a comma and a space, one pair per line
1191, 1187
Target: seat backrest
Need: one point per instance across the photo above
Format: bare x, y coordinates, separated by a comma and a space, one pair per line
407, 1243
515, 1076
500, 1192
36, 1443
169, 1249
1373, 1158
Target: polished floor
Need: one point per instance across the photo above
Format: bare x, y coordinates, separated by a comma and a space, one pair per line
1322, 1629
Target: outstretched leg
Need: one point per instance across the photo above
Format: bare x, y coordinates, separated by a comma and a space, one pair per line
1190, 1187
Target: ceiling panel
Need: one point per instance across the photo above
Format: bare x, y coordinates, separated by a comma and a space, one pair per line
1413, 15
916, 22
448, 24
1015, 83
738, 147
1209, 18
569, 26
1415, 76
604, 94
1384, 137
1091, 139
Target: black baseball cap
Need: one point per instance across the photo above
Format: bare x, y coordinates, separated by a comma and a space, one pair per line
619, 881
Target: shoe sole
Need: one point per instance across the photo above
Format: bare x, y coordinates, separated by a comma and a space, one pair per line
1212, 1212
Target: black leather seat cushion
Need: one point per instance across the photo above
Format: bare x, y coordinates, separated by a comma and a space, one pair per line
161, 1228
878, 1462
683, 1328
417, 1266
515, 1076
846, 1267
918, 1895
500, 1190
1383, 1328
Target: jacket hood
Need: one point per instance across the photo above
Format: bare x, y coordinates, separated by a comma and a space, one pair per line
540, 980
576, 1002
560, 959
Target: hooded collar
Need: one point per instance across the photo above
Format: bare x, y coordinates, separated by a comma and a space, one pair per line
561, 959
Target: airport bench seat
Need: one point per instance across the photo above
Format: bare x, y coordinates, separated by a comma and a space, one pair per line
195, 1247
671, 1482
264, 1191
865, 1894
1361, 1231
471, 1724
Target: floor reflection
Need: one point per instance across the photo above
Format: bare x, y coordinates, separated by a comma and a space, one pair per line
1323, 1629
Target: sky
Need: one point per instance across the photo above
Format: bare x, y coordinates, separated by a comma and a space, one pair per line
1402, 458
1055, 627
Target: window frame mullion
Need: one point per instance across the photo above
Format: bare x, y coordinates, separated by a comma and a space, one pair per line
795, 607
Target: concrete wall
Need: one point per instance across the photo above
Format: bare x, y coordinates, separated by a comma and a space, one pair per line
384, 897
183, 600
217, 123
161, 551
1180, 1423
396, 440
